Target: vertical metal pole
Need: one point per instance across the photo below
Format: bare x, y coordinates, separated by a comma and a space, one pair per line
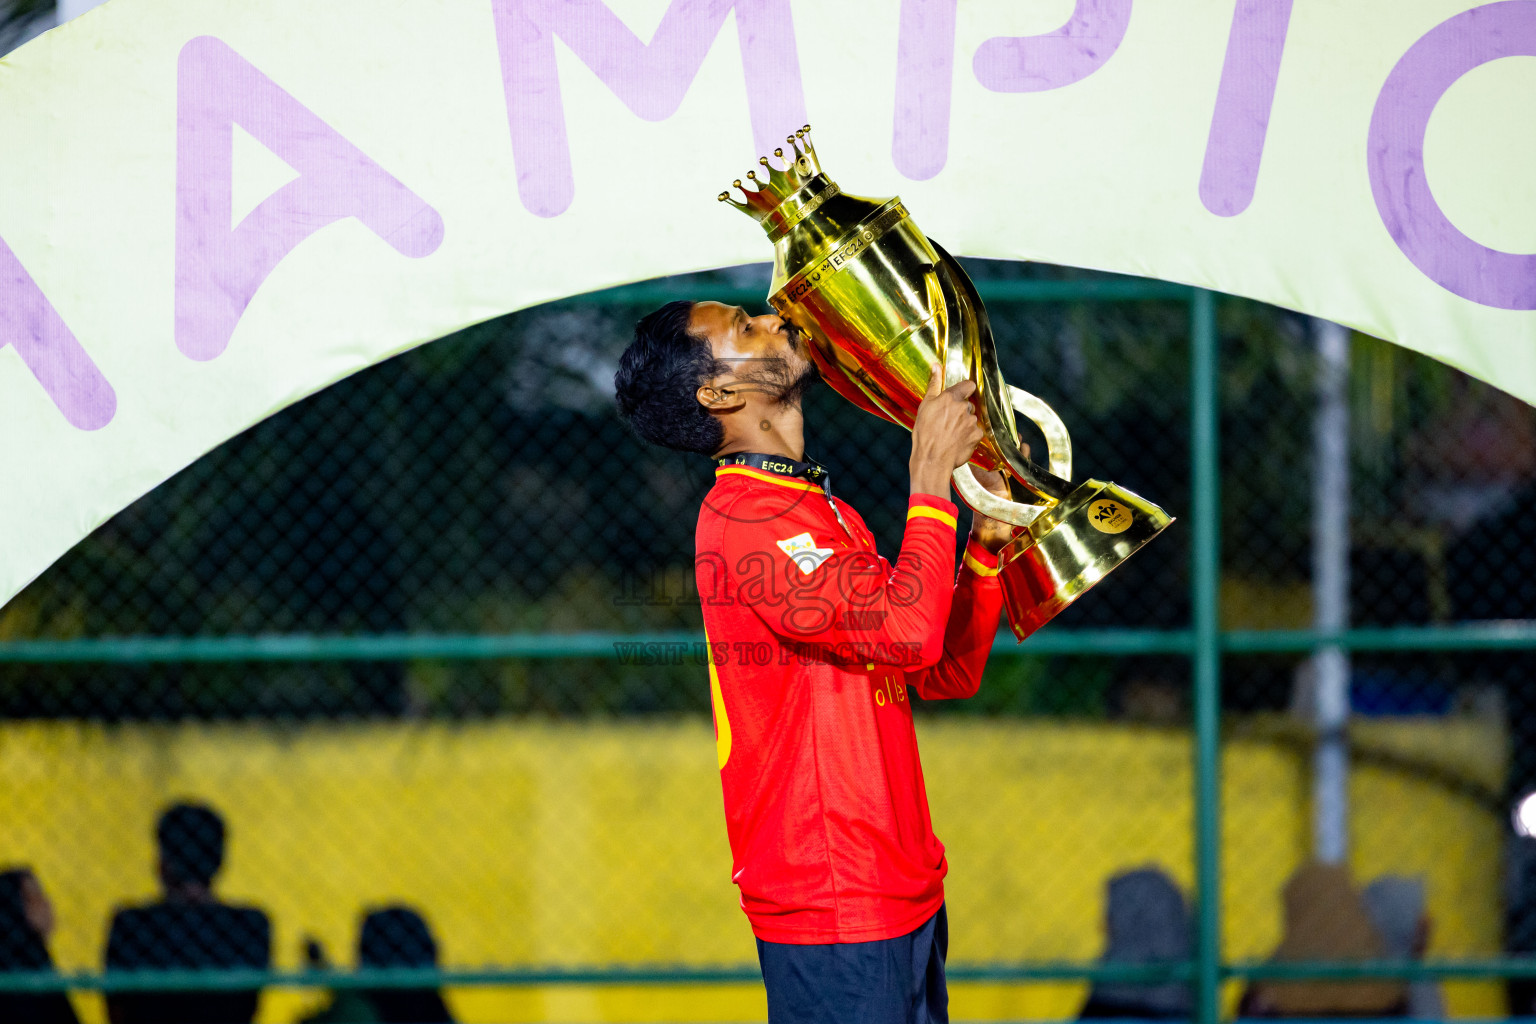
1330, 593
1205, 569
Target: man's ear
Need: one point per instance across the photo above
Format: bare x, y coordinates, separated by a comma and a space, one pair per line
716, 399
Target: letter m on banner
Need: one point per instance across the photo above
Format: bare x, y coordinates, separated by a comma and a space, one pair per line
648, 78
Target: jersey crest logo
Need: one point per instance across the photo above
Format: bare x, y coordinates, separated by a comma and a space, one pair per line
802, 550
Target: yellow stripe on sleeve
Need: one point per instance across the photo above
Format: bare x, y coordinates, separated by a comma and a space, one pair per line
979, 569
931, 513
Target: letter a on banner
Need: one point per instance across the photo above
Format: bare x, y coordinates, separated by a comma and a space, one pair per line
30, 325
219, 267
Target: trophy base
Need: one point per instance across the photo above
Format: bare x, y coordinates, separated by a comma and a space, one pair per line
1071, 547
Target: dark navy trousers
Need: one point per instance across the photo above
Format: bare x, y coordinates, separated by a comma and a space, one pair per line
892, 981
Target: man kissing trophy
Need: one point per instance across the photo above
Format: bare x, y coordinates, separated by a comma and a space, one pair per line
882, 305
818, 643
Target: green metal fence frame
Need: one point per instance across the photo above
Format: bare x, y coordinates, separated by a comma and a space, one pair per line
1204, 642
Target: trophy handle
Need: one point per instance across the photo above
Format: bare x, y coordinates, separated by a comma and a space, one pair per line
1058, 444
1000, 402
989, 504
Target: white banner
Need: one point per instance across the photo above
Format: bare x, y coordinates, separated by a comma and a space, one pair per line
212, 208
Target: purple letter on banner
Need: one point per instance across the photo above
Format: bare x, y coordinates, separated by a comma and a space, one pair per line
925, 51
1243, 102
1395, 154
1070, 54
650, 80
925, 66
30, 325
219, 268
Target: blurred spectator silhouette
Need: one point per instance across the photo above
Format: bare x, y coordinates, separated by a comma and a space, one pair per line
189, 929
399, 937
1397, 908
26, 920
1325, 919
1145, 922
343, 1006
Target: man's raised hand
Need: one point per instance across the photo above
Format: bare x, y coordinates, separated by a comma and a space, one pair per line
944, 434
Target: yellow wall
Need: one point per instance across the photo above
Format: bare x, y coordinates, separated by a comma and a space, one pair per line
538, 843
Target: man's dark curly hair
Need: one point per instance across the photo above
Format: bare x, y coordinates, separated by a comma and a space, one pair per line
657, 378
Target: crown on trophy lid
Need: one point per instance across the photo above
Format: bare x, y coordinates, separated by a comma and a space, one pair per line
771, 190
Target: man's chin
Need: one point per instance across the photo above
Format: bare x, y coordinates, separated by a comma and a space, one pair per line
791, 396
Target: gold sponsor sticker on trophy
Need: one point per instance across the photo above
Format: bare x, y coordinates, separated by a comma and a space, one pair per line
881, 304
1110, 517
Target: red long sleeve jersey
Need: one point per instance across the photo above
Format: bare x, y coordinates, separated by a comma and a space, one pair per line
814, 642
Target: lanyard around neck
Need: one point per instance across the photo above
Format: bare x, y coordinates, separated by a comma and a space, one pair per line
780, 465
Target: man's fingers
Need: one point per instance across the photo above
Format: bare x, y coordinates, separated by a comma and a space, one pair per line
964, 389
976, 428
992, 480
935, 381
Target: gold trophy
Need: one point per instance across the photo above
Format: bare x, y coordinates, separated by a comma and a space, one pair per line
881, 304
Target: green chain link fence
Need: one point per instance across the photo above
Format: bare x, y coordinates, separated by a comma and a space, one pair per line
425, 641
